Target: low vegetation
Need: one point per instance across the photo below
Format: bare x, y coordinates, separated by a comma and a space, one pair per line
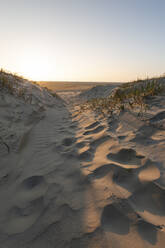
127, 96
10, 82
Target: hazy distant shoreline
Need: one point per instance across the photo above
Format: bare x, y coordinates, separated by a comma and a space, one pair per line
73, 86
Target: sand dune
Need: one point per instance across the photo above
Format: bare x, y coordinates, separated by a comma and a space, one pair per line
71, 179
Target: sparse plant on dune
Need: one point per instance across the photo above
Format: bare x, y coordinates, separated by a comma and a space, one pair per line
9, 81
4, 83
21, 92
127, 96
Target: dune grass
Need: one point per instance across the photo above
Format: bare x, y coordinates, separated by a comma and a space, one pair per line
9, 81
127, 96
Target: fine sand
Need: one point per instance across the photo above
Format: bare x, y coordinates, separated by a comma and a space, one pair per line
77, 180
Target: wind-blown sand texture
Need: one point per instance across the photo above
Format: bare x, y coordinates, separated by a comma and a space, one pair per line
76, 180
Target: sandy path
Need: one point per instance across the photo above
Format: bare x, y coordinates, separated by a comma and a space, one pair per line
46, 183
80, 181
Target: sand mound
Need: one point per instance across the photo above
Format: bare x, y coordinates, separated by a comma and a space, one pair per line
22, 104
97, 91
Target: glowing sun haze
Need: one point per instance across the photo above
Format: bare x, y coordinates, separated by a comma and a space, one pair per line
83, 40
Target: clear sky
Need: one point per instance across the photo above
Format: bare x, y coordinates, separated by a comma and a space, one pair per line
83, 40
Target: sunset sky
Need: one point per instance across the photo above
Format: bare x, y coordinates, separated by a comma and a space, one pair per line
83, 40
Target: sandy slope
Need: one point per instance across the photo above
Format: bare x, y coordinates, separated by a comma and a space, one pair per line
80, 181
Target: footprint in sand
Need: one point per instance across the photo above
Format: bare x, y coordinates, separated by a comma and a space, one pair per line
149, 202
113, 220
32, 188
121, 137
94, 131
89, 154
147, 231
119, 217
123, 177
85, 156
29, 204
127, 158
32, 182
68, 141
101, 171
80, 144
20, 219
95, 143
93, 125
126, 178
158, 117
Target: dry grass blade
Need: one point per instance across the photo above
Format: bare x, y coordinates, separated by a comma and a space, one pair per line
129, 95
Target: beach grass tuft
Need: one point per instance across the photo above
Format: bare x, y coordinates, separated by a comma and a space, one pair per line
127, 96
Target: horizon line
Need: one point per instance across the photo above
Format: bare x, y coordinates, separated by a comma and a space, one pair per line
69, 81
